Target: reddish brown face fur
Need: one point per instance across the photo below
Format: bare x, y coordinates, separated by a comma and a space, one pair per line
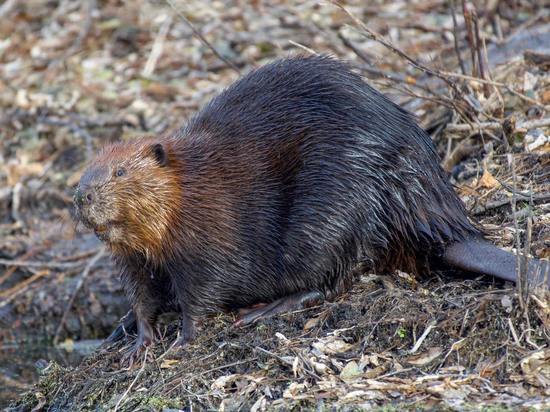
127, 195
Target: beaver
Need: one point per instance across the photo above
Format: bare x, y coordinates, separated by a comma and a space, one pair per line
267, 199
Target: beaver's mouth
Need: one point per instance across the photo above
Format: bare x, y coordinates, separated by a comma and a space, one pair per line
102, 227
79, 215
102, 232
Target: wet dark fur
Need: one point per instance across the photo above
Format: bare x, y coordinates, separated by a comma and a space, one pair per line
318, 172
290, 178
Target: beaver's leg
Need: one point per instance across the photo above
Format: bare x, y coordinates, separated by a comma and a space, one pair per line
145, 306
128, 326
187, 329
285, 304
145, 337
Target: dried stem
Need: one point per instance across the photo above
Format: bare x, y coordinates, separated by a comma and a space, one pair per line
198, 34
466, 11
455, 37
83, 277
370, 34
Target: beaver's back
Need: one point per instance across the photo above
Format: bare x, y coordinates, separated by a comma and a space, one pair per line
318, 172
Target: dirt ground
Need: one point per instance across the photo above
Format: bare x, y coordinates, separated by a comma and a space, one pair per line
75, 75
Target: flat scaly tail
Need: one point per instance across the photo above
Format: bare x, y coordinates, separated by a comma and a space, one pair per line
479, 256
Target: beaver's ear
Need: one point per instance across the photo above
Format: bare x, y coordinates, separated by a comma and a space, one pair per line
159, 154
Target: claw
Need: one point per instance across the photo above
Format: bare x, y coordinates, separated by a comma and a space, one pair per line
143, 341
134, 354
187, 331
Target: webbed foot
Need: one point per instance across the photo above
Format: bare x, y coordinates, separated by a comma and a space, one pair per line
144, 339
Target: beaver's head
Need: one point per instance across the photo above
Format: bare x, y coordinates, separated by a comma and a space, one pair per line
128, 195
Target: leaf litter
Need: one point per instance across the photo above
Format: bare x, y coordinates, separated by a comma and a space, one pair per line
75, 75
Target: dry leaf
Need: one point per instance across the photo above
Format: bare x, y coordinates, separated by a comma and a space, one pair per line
296, 364
16, 171
506, 303
351, 372
332, 345
169, 363
294, 389
281, 337
67, 345
259, 405
425, 357
320, 368
311, 323
223, 381
376, 372
487, 180
536, 368
161, 91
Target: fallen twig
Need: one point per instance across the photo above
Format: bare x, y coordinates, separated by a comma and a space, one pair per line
455, 37
198, 34
502, 202
493, 83
423, 336
533, 124
527, 125
125, 394
83, 276
462, 150
479, 50
156, 50
15, 291
303, 47
467, 13
370, 34
36, 264
11, 270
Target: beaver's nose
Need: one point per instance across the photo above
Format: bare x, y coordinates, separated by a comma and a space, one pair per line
83, 195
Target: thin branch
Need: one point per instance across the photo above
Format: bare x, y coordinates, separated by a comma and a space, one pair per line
482, 69
198, 34
125, 394
303, 47
349, 44
424, 335
83, 277
156, 50
519, 258
455, 37
370, 34
33, 251
493, 83
37, 264
15, 291
466, 12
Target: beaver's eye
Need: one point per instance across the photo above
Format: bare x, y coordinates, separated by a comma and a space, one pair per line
120, 172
